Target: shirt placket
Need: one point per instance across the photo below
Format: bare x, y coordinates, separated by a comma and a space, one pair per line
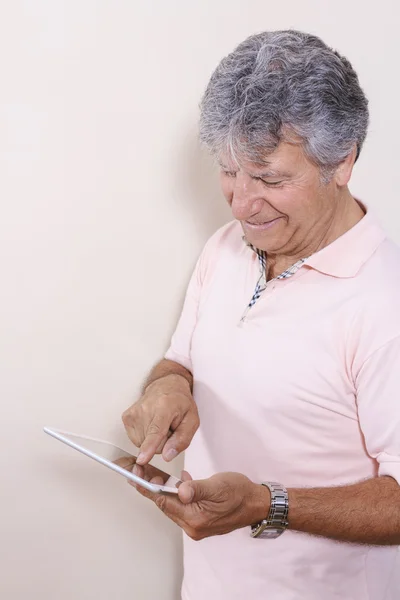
262, 282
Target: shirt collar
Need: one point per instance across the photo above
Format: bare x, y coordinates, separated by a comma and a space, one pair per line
345, 256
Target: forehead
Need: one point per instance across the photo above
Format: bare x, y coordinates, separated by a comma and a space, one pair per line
286, 158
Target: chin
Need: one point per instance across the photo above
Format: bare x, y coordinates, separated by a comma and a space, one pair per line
267, 237
268, 243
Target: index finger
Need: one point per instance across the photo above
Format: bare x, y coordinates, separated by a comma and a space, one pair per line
156, 436
170, 505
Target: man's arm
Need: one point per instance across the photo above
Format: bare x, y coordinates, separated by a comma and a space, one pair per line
366, 512
363, 513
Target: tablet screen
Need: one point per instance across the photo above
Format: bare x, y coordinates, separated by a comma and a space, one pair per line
104, 449
110, 455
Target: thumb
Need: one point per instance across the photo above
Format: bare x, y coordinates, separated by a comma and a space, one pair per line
194, 491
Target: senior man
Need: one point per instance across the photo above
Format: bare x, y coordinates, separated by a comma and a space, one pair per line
286, 357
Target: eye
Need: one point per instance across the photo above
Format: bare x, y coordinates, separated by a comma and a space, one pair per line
271, 183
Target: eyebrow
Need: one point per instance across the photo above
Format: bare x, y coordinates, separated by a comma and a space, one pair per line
221, 164
263, 175
270, 173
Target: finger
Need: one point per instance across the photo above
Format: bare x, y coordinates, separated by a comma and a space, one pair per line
185, 476
150, 472
156, 435
186, 493
138, 470
170, 505
157, 480
145, 492
161, 446
148, 475
195, 491
156, 497
182, 436
133, 427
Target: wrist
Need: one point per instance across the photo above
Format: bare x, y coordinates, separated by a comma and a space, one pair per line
276, 522
169, 382
260, 504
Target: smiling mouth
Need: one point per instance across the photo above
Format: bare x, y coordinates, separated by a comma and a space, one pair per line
263, 224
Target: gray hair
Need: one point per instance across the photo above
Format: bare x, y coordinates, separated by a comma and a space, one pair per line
281, 85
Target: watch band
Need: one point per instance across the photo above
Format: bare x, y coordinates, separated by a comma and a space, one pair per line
277, 521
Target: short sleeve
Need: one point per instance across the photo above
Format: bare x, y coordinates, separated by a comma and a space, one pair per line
378, 399
179, 350
227, 237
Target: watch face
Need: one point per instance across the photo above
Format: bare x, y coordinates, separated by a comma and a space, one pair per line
271, 533
262, 531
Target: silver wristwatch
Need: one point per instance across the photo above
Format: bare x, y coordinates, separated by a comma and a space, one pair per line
277, 521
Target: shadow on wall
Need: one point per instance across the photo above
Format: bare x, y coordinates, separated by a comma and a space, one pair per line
197, 181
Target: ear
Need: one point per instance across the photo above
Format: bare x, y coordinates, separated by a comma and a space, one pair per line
343, 172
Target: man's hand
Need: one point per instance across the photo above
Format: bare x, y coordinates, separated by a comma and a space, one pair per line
214, 506
164, 420
363, 513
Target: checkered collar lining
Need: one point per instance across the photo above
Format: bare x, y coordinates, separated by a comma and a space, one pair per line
262, 257
262, 281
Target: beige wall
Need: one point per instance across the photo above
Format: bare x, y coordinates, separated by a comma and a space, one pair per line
105, 203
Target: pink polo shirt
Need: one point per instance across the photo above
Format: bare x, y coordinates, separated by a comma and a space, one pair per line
304, 391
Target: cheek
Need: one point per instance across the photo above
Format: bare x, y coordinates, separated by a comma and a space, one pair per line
284, 201
293, 202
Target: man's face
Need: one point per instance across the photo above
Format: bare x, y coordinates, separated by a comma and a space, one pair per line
280, 202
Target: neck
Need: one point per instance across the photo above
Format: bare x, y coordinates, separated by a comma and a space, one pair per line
345, 214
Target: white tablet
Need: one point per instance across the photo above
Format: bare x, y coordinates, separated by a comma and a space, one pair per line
114, 458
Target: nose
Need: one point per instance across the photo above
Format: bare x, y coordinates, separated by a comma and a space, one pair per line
246, 200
